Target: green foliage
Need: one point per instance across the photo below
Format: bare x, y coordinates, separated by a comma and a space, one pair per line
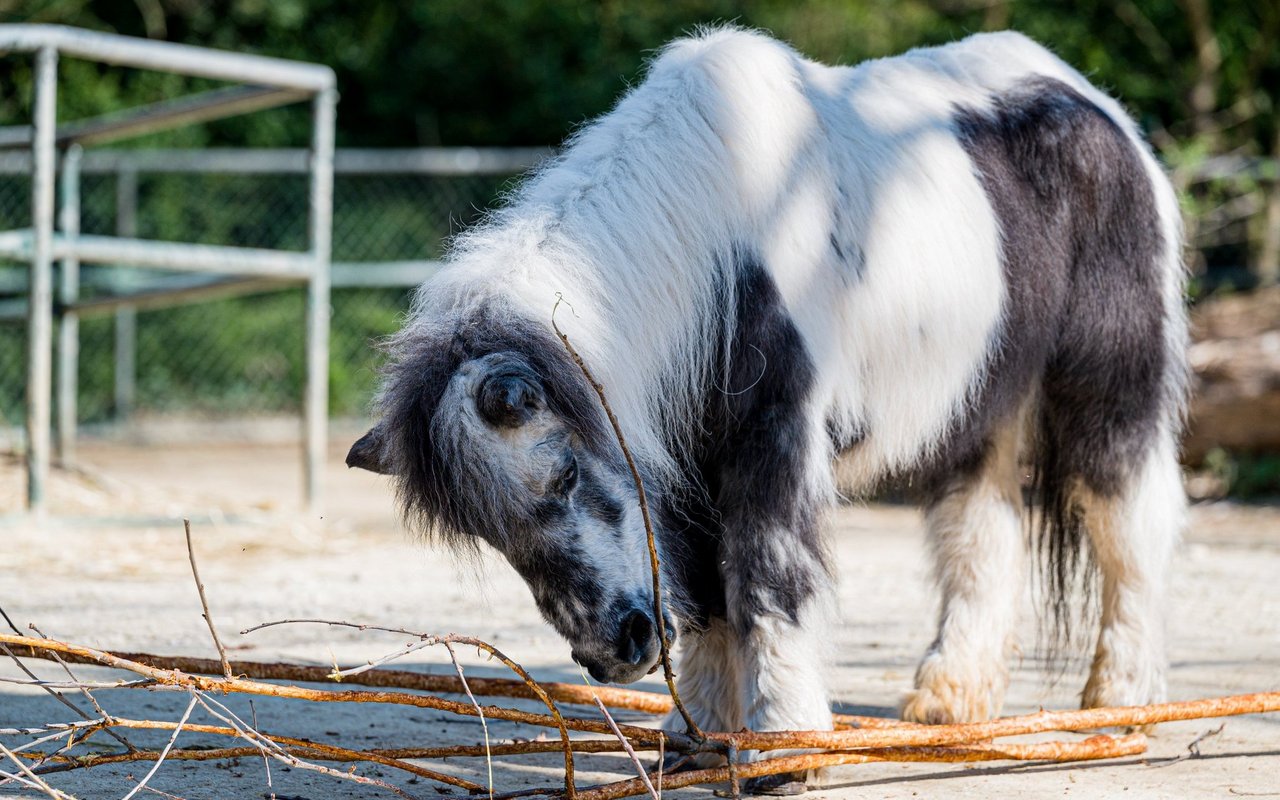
1247, 476
510, 72
1200, 76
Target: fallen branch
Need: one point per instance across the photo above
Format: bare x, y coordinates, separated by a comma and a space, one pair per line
1039, 722
1096, 747
613, 697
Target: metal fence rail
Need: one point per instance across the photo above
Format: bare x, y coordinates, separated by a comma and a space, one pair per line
166, 346
267, 82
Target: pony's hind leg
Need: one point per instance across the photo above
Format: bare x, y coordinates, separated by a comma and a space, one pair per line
1132, 533
975, 532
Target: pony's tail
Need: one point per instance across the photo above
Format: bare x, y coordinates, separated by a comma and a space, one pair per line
1060, 542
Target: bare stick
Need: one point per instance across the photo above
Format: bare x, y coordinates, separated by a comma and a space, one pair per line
644, 776
731, 764
1094, 748
165, 752
662, 754
167, 794
488, 754
275, 751
614, 697
266, 762
659, 616
33, 778
204, 604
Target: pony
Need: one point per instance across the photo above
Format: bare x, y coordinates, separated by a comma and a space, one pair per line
957, 269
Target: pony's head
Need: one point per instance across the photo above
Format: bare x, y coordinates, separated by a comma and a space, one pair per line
493, 435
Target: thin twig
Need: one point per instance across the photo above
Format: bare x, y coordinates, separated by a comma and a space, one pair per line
85, 691
167, 747
731, 763
426, 639
654, 564
166, 794
484, 726
919, 735
1096, 747
662, 757
631, 753
1193, 748
204, 604
612, 696
275, 751
266, 762
56, 794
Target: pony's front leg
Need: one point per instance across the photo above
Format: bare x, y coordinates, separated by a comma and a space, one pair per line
780, 597
707, 678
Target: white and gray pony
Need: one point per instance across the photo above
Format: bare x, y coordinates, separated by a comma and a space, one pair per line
952, 269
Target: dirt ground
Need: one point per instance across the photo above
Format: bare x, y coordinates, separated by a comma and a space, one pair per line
127, 586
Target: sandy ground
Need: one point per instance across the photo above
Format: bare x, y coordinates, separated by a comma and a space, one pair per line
128, 587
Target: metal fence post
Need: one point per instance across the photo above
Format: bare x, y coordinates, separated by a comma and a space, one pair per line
68, 320
126, 344
40, 304
316, 411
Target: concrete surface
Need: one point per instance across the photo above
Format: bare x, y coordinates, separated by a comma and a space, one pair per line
128, 587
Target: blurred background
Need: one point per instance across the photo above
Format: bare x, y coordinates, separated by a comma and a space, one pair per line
1201, 78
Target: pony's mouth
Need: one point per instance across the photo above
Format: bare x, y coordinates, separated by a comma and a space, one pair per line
635, 652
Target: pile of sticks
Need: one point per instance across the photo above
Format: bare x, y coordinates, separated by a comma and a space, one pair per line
65, 746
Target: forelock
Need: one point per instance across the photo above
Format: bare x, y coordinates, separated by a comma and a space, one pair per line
438, 496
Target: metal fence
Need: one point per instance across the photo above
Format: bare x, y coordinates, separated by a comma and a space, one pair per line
244, 356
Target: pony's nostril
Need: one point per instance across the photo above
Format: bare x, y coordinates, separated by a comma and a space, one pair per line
637, 634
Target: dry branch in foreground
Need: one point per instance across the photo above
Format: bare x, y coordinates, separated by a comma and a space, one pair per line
891, 742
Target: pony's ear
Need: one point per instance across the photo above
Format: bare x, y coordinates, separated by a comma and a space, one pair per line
367, 452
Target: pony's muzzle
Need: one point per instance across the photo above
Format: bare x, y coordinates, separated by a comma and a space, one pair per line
633, 654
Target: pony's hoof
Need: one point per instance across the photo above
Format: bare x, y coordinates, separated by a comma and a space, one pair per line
784, 784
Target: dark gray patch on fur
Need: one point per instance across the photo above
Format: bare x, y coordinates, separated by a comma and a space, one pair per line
836, 248
749, 470
1083, 252
601, 504
843, 440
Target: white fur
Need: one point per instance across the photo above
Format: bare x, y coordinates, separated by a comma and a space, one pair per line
734, 140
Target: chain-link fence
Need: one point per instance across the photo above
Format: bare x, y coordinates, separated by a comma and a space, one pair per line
244, 356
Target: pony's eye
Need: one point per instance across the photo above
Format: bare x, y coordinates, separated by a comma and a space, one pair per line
567, 479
